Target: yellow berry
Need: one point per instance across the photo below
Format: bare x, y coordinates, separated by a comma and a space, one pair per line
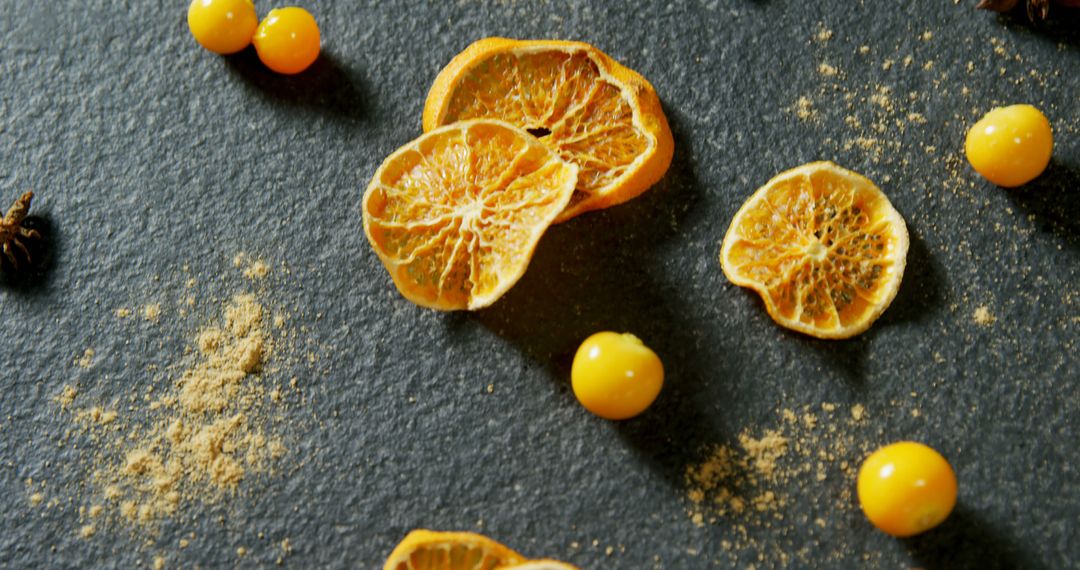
288, 40
222, 26
1011, 145
906, 488
616, 376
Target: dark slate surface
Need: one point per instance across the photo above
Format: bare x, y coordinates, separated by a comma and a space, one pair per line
149, 153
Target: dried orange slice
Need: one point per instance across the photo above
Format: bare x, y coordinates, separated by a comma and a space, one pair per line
594, 112
541, 565
456, 214
822, 246
430, 550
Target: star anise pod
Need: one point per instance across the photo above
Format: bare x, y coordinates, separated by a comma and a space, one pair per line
15, 237
1037, 10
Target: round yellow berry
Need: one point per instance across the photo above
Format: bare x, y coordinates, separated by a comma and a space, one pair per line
288, 40
616, 376
1010, 146
222, 26
906, 488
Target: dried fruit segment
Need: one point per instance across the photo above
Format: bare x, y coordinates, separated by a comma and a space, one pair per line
456, 214
822, 246
429, 550
592, 111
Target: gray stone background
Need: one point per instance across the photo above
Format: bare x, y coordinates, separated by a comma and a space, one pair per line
149, 154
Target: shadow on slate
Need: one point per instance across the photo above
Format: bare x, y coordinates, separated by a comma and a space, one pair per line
599, 272
326, 85
921, 292
1059, 28
35, 277
1054, 200
965, 541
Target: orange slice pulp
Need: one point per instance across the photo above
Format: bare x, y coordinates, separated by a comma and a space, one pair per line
430, 550
592, 111
456, 214
822, 246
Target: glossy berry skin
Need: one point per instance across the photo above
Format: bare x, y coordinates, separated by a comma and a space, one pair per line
288, 40
906, 488
222, 26
1010, 146
616, 376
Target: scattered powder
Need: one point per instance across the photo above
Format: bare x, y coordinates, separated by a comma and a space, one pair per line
251, 268
875, 115
729, 481
204, 442
36, 499
823, 35
97, 416
123, 313
804, 108
927, 36
257, 270
152, 312
197, 440
983, 316
67, 396
917, 118
159, 562
86, 360
763, 480
765, 451
882, 98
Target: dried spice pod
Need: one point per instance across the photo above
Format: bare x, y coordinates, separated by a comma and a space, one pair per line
21, 237
1037, 10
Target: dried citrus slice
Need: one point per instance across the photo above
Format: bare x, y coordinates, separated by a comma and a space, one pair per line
594, 112
430, 550
456, 214
541, 565
822, 246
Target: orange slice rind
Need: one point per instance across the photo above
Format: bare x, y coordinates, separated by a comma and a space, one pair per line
431, 550
456, 214
544, 564
591, 110
824, 248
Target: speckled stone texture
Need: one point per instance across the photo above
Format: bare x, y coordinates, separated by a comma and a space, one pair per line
149, 154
